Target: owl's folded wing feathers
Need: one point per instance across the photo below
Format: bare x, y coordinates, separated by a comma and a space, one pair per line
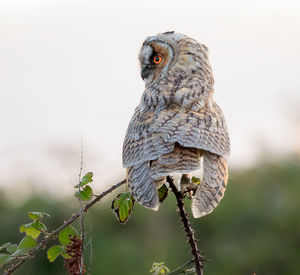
151, 136
203, 129
140, 143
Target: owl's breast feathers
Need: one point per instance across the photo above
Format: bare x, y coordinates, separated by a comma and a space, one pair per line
191, 122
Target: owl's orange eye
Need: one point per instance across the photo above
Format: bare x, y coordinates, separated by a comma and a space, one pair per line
157, 59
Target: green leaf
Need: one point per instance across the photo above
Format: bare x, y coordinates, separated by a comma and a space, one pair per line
85, 194
87, 178
5, 258
12, 248
122, 206
37, 215
54, 251
26, 244
4, 246
162, 193
29, 230
195, 180
65, 234
39, 226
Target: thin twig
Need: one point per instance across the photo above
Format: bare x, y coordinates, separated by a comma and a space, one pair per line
81, 160
82, 214
182, 268
82, 243
188, 229
54, 233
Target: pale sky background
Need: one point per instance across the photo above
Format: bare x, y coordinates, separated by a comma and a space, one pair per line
69, 69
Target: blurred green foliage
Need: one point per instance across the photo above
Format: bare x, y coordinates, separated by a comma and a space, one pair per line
256, 228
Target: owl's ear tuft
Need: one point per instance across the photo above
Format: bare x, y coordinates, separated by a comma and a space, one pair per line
168, 32
205, 48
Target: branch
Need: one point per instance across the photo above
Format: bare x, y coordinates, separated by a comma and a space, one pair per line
188, 229
52, 235
81, 215
82, 243
181, 269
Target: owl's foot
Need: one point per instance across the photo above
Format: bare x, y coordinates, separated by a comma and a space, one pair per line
187, 186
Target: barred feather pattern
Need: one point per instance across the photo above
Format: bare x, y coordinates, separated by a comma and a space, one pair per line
143, 179
212, 187
142, 185
181, 160
175, 122
149, 139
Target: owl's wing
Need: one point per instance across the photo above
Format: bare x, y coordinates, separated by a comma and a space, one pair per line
140, 143
142, 185
202, 129
212, 187
150, 135
139, 148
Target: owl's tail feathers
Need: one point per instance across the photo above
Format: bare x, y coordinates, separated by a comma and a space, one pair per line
212, 188
142, 186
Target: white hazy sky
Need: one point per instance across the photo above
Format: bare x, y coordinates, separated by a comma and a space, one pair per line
69, 69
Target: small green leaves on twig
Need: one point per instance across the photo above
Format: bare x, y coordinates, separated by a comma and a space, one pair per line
9, 247
34, 228
26, 244
85, 192
65, 238
159, 268
4, 257
54, 251
12, 248
30, 230
37, 215
65, 235
87, 178
162, 193
122, 206
23, 258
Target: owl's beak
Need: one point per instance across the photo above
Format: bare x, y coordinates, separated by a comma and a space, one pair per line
146, 71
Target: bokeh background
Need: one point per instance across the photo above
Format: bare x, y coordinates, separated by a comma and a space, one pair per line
69, 74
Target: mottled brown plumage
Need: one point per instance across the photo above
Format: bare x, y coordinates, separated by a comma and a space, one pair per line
177, 126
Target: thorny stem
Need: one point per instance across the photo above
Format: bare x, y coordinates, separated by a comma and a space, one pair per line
189, 232
54, 233
188, 229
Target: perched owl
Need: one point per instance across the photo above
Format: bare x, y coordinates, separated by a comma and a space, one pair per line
177, 128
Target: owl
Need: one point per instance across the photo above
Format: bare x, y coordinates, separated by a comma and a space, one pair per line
177, 128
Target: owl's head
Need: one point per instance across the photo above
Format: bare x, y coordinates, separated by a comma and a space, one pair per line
172, 51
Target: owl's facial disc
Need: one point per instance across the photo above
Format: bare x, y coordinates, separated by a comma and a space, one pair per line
155, 57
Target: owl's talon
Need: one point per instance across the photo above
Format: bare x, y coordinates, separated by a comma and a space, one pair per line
187, 186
